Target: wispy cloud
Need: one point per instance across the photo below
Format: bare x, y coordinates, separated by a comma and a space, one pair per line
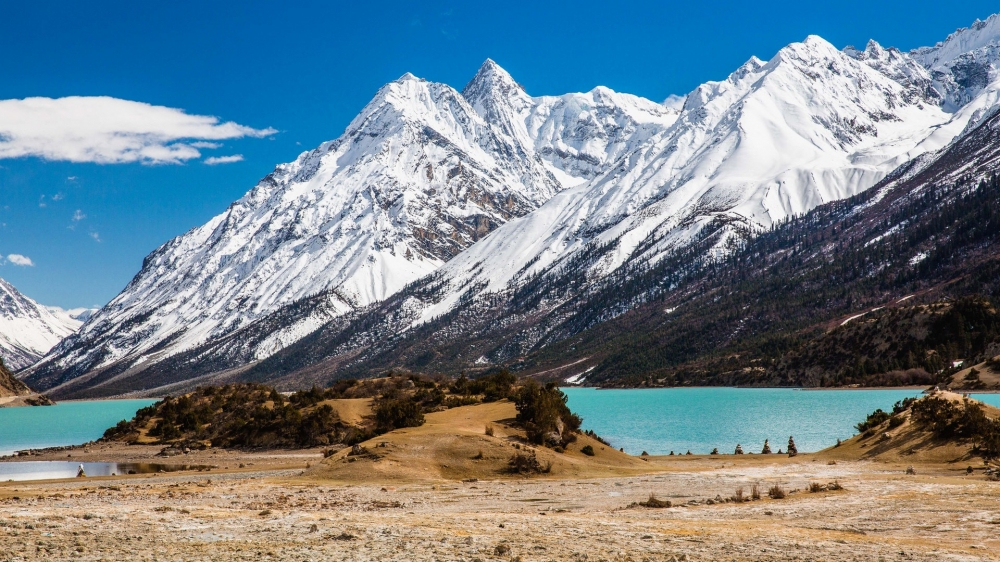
205, 144
674, 101
18, 259
213, 160
78, 215
95, 236
108, 130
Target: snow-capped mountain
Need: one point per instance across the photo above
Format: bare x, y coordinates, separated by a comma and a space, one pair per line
422, 173
28, 330
772, 141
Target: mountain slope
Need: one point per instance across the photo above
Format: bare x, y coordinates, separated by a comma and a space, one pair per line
27, 330
418, 176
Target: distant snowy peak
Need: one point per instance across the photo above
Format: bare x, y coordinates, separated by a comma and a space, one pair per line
72, 318
966, 63
578, 135
902, 68
963, 41
27, 330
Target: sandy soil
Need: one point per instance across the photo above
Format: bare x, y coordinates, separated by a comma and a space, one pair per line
279, 514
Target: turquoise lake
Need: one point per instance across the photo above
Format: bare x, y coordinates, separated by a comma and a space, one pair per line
654, 420
66, 423
698, 419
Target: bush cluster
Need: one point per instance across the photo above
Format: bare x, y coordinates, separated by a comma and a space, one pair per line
397, 411
492, 387
543, 412
239, 415
875, 419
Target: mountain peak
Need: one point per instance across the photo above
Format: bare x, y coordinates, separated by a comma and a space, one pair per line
490, 77
497, 97
980, 34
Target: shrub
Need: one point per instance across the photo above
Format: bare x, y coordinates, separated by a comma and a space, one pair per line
654, 502
590, 433
875, 419
542, 410
816, 487
903, 405
738, 496
527, 463
896, 421
776, 492
493, 386
755, 491
397, 412
489, 430
587, 450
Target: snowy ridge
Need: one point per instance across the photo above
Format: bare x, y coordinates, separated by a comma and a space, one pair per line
774, 139
27, 330
419, 175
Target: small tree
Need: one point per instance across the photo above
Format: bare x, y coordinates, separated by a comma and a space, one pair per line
543, 411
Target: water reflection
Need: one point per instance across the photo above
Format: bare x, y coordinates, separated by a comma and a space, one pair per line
49, 470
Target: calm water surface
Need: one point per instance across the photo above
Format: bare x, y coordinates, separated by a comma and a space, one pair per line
48, 470
66, 423
699, 419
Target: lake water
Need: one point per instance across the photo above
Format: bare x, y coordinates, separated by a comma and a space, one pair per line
48, 470
653, 420
699, 419
66, 423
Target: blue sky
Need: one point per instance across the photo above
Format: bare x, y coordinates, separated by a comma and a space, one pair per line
293, 74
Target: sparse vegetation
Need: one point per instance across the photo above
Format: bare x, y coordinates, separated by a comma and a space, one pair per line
776, 492
874, 419
946, 419
527, 463
655, 502
755, 491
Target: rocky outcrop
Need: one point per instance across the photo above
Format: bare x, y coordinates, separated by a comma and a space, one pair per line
15, 393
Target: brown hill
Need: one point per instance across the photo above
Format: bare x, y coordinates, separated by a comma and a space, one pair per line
15, 393
455, 445
10, 386
943, 427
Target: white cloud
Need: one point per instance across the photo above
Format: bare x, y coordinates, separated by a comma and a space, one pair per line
95, 236
78, 216
206, 144
58, 196
108, 130
18, 259
674, 101
212, 161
